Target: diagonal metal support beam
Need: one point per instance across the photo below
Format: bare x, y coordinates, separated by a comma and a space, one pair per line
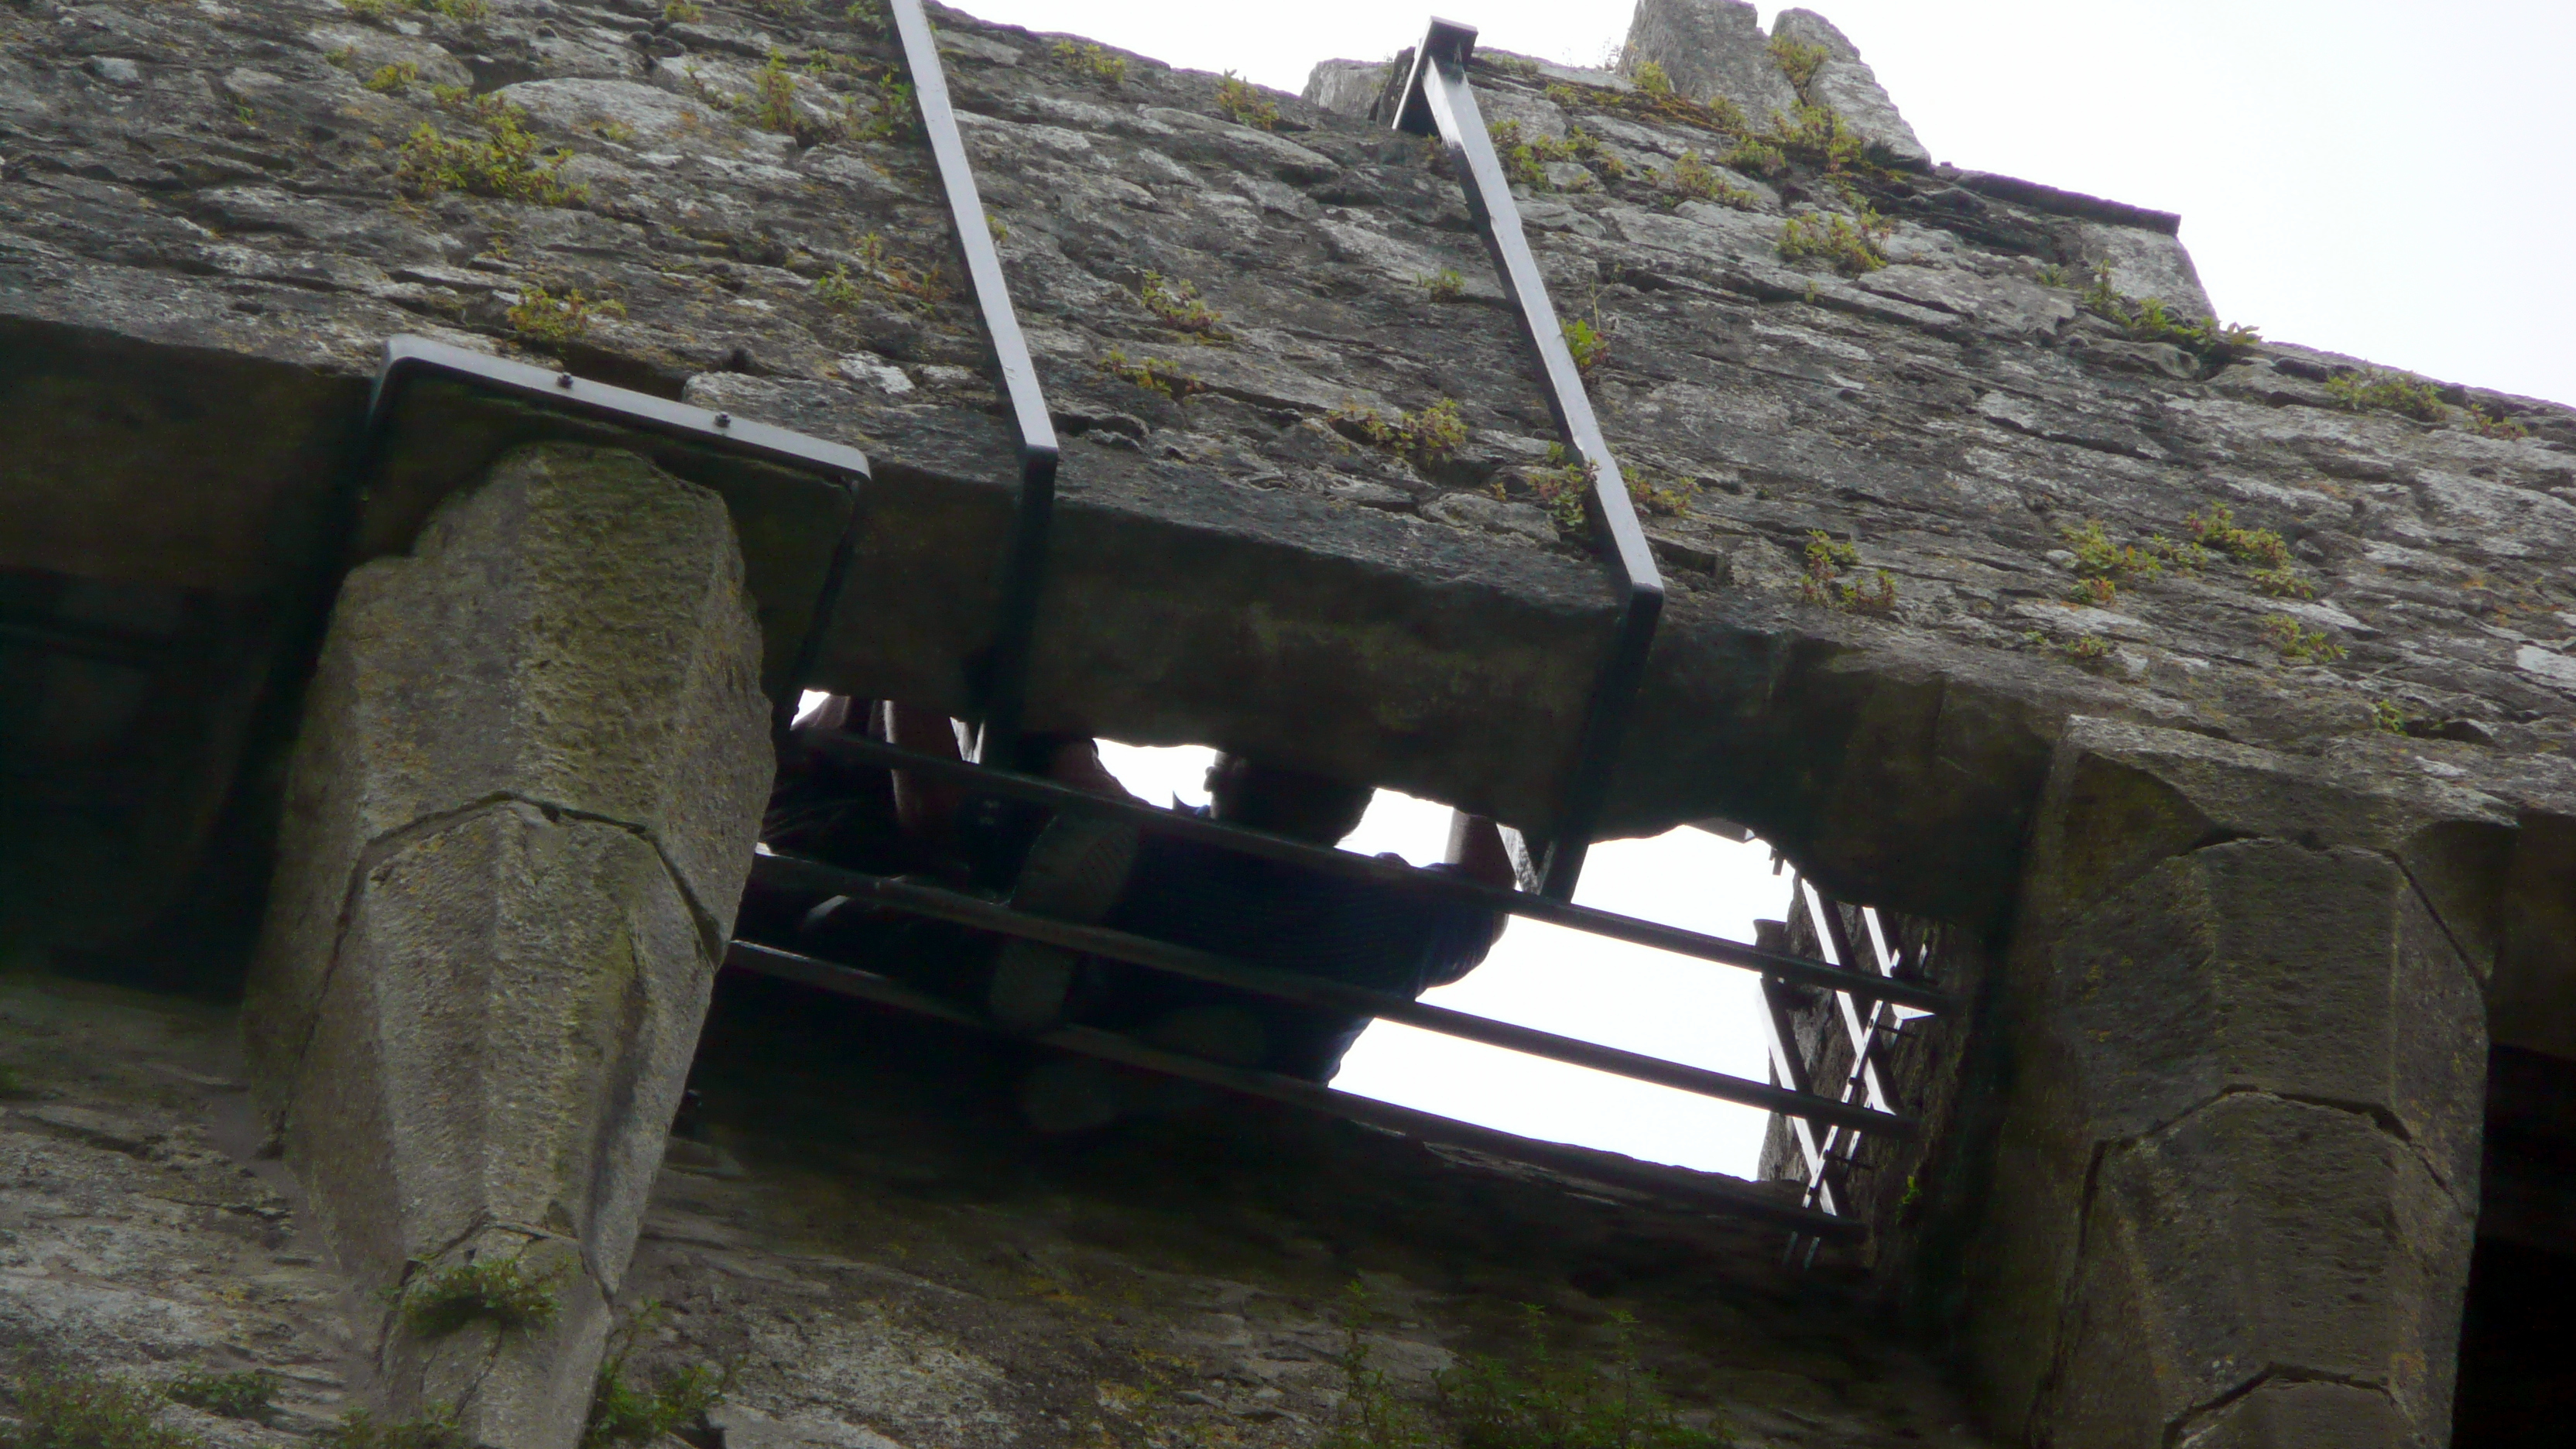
1001, 680
1437, 98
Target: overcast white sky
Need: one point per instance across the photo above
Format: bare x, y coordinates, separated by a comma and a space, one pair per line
2382, 179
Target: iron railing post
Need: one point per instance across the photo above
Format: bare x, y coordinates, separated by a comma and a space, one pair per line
1000, 683
1436, 97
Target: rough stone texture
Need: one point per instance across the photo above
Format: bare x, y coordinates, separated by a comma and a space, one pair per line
1950, 413
2239, 1144
1349, 87
1711, 50
138, 1232
862, 1227
523, 808
1244, 570
1846, 85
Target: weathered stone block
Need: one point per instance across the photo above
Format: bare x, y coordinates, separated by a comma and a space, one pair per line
524, 802
2261, 1238
2265, 966
1712, 50
574, 634
501, 1045
1846, 85
2234, 1007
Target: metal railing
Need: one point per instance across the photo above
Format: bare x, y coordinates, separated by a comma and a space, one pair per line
1868, 1023
1000, 681
1825, 1120
1436, 96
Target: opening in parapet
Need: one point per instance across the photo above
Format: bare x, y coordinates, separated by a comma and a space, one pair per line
1555, 979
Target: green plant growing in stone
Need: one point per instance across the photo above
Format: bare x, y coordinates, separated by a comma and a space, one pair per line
1511, 65
1444, 285
1522, 163
1821, 581
2216, 531
888, 114
835, 290
1799, 62
1431, 435
782, 9
1244, 104
2389, 715
1691, 179
1178, 305
1090, 61
394, 79
1537, 1399
2086, 648
2101, 566
1755, 157
558, 320
2148, 319
683, 12
2394, 392
1152, 374
503, 1292
2297, 644
89, 1411
1562, 487
1586, 344
248, 1394
2488, 424
365, 9
2050, 274
359, 1429
771, 106
1652, 80
1849, 247
507, 163
1651, 497
464, 12
1371, 1415
624, 1411
2282, 583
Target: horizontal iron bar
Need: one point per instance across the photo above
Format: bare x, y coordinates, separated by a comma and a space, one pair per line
1704, 1189
856, 749
1318, 992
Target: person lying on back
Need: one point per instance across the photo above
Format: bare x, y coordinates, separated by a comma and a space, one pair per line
1289, 917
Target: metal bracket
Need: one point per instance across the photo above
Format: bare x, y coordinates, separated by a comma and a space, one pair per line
439, 417
1000, 685
1436, 97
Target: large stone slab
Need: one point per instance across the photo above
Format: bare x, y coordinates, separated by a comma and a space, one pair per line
1712, 50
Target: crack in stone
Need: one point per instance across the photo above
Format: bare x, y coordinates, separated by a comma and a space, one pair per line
2182, 1424
2377, 1114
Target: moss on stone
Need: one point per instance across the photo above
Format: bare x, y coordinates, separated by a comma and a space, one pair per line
503, 1292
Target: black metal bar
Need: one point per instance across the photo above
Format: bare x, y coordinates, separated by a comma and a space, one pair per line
1314, 991
1001, 687
410, 358
1437, 96
986, 779
1703, 1189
